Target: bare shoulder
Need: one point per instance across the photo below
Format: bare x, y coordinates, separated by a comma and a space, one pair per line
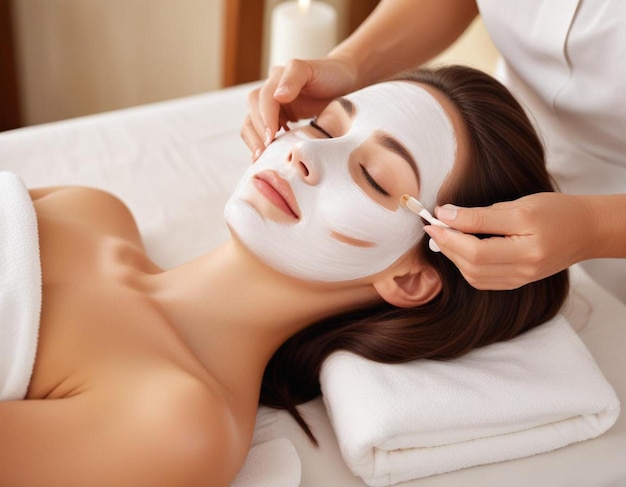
171, 429
190, 429
89, 207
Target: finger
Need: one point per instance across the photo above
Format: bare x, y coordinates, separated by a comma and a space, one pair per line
498, 219
296, 74
290, 81
254, 116
251, 138
282, 122
268, 107
477, 251
493, 278
490, 263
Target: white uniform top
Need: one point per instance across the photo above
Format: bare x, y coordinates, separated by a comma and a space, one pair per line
565, 60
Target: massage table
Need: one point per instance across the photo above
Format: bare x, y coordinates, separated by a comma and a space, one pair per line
175, 163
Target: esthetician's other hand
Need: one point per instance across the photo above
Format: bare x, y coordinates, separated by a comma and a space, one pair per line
300, 89
541, 234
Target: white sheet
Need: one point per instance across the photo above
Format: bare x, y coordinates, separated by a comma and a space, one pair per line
175, 163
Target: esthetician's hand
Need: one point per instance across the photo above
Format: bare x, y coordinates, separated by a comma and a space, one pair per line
300, 89
541, 234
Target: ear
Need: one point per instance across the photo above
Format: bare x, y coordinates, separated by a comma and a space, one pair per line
411, 287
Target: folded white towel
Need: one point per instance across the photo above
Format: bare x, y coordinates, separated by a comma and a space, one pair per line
273, 463
535, 393
20, 287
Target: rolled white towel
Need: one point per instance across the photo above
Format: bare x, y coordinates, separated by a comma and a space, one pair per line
20, 287
535, 393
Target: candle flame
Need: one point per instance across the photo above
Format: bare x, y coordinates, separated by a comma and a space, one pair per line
304, 5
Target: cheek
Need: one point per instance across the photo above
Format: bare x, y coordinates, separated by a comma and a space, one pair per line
274, 155
349, 211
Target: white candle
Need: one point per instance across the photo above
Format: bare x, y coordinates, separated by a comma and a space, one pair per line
304, 29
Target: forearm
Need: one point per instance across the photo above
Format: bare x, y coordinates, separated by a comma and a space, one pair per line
608, 225
404, 33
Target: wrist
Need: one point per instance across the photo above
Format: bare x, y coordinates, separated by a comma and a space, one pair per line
606, 225
590, 228
353, 63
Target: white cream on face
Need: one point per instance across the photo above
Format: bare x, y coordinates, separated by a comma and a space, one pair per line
329, 199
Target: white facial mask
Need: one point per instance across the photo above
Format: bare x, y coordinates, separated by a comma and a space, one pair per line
331, 201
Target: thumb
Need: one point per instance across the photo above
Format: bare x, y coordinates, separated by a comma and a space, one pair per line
296, 75
491, 220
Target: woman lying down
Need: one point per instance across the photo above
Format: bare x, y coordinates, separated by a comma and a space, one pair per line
145, 376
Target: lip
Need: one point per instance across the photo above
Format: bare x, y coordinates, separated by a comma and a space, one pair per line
278, 192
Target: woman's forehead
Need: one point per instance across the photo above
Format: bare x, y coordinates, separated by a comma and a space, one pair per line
403, 106
382, 94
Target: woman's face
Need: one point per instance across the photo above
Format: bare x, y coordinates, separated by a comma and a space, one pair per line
322, 202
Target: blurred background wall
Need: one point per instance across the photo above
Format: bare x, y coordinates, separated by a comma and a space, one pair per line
84, 56
76, 57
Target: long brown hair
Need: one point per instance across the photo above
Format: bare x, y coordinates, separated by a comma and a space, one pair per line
506, 162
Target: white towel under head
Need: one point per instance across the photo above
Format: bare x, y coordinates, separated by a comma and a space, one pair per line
20, 287
535, 393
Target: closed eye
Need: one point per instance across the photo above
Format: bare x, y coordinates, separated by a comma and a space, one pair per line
370, 180
313, 123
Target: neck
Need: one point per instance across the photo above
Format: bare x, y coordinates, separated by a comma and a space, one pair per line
233, 312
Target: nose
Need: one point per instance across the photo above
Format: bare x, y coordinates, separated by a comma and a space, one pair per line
302, 164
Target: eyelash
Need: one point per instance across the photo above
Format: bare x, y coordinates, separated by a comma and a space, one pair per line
313, 123
370, 180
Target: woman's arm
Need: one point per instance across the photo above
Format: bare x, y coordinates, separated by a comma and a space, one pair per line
542, 234
400, 34
162, 433
609, 232
397, 35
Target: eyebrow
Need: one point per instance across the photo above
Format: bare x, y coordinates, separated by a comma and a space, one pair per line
346, 104
389, 143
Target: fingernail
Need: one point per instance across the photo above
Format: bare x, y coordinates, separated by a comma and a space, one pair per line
432, 245
281, 90
257, 154
268, 137
446, 212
